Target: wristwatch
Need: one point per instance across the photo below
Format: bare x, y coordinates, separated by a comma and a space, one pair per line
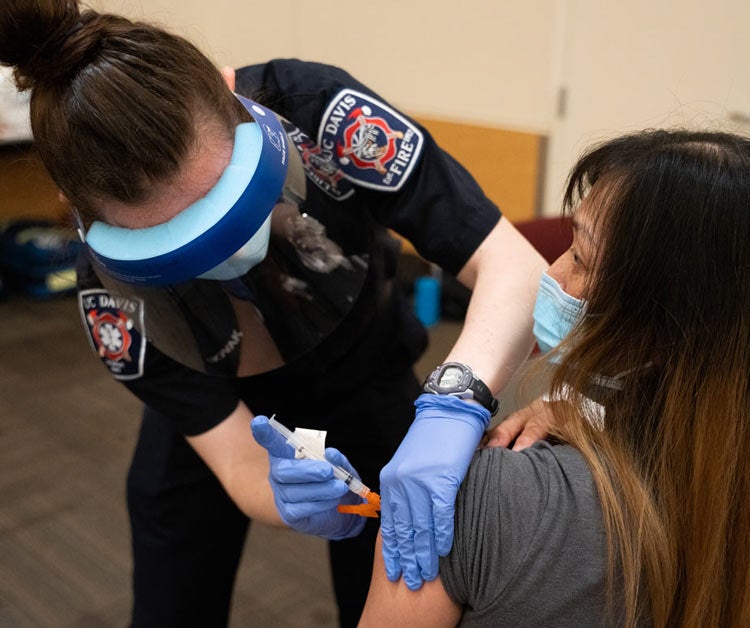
456, 379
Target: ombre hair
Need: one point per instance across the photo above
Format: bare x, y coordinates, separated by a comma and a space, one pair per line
667, 320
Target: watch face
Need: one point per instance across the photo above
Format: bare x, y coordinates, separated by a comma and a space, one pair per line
451, 377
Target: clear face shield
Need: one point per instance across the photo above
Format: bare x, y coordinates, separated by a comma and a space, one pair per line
244, 280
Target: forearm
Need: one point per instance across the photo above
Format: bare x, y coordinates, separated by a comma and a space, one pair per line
240, 464
497, 333
250, 490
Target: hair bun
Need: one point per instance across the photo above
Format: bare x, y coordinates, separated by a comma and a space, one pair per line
46, 40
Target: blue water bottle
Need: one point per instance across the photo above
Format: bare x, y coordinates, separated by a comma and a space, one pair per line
427, 299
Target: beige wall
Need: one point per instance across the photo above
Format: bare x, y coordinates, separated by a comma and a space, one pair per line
482, 61
640, 63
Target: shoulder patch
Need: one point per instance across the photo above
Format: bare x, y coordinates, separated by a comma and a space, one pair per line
114, 326
374, 145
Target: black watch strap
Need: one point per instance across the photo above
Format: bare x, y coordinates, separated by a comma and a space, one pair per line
458, 380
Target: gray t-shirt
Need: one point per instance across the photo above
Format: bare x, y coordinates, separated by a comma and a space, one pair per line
529, 546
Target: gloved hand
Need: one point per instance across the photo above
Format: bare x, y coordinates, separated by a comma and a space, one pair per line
305, 492
418, 487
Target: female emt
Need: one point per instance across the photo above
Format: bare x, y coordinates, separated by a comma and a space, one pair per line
238, 263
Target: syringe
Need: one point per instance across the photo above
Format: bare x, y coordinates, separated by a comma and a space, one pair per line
355, 485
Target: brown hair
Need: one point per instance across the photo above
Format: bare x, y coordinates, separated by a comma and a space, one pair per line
115, 104
668, 310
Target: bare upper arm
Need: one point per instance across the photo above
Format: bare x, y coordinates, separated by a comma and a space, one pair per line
392, 604
504, 251
240, 464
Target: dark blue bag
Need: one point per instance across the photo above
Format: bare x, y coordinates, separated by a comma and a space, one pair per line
37, 257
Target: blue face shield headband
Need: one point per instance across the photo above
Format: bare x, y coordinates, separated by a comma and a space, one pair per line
220, 236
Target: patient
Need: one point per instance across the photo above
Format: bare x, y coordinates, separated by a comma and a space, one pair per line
634, 510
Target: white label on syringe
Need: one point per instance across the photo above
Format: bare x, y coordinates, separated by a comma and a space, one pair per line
314, 440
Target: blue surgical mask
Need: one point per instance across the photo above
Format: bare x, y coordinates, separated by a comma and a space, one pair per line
555, 313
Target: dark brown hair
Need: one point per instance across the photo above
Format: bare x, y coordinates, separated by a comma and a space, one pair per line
115, 104
668, 310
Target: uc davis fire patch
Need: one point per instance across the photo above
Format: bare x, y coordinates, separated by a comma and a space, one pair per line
374, 145
114, 327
